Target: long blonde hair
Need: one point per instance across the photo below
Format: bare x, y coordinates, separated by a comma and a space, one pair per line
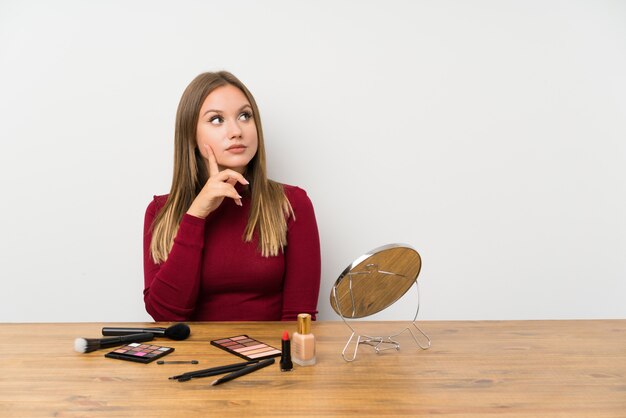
269, 205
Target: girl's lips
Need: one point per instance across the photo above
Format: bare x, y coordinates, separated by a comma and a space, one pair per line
236, 149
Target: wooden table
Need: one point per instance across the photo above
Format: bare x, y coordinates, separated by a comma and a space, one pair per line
473, 369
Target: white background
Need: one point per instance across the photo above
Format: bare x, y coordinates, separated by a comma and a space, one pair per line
489, 135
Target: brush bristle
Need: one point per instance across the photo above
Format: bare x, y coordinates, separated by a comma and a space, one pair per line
178, 332
86, 345
80, 344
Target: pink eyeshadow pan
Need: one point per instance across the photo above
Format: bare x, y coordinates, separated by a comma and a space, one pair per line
241, 337
252, 347
265, 353
258, 350
233, 347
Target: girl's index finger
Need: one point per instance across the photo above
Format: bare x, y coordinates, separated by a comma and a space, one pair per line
213, 168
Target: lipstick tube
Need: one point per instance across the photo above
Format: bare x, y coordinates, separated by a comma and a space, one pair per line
285, 358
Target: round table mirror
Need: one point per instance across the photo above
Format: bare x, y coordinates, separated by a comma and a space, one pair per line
370, 284
375, 281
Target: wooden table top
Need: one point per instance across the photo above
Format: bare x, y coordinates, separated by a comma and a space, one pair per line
473, 369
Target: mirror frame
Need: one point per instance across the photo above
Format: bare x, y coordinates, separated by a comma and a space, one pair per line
383, 269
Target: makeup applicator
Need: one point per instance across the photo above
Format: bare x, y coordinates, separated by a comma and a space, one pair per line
87, 345
178, 331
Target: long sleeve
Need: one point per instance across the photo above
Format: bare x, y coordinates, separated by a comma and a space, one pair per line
302, 258
171, 288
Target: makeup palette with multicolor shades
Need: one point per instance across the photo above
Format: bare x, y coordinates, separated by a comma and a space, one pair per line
141, 353
246, 347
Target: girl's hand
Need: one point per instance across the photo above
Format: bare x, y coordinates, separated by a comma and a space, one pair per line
220, 184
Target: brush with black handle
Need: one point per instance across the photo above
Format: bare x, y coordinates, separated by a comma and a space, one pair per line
87, 345
177, 332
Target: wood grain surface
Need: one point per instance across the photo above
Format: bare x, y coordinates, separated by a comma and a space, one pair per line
473, 369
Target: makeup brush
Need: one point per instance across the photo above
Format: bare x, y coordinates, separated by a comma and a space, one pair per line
178, 331
244, 371
87, 345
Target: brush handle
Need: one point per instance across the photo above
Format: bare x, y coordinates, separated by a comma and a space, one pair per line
244, 371
129, 331
214, 370
178, 331
132, 338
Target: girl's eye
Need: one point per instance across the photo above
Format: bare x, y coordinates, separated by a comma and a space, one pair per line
216, 120
245, 116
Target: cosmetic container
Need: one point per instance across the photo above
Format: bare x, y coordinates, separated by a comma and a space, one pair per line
303, 342
286, 364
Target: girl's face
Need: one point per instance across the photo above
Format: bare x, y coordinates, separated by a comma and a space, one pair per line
226, 124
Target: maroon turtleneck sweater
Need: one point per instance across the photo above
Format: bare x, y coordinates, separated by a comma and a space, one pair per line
211, 274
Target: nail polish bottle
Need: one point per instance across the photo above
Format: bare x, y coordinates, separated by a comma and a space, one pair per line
303, 342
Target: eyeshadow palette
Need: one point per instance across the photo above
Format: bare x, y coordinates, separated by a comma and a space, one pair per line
246, 347
141, 353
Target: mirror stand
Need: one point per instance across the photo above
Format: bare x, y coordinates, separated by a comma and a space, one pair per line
381, 343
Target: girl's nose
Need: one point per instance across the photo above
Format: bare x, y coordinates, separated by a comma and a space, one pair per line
234, 130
